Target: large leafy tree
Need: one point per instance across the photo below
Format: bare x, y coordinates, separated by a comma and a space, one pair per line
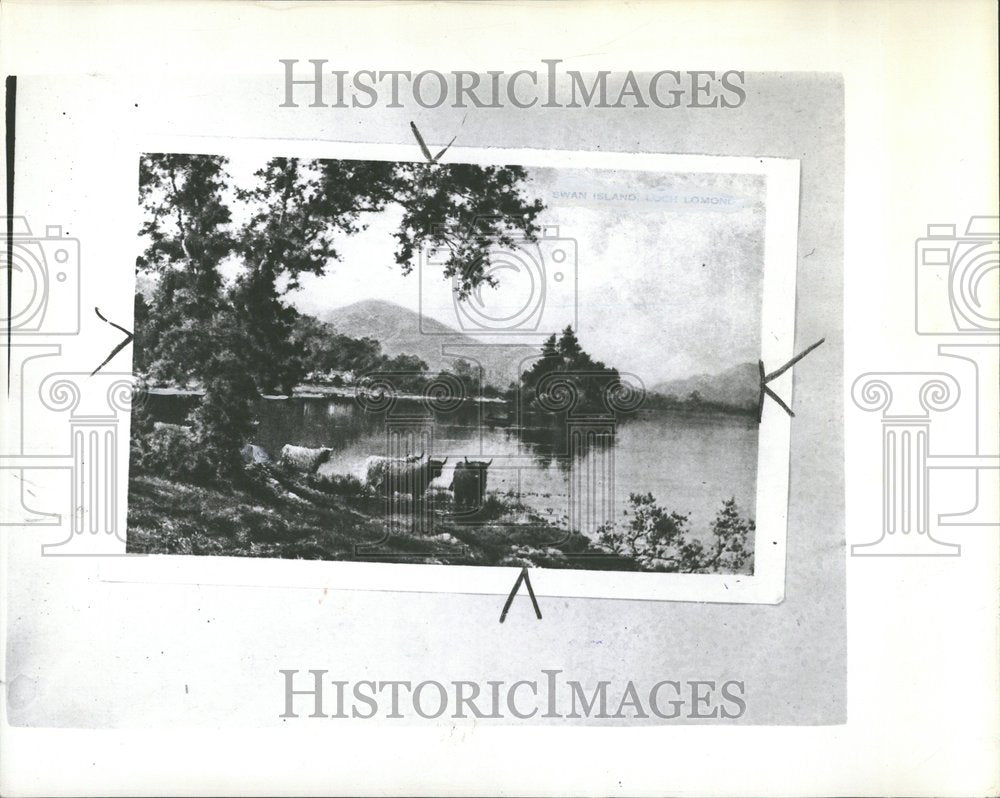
299, 208
295, 212
466, 211
186, 227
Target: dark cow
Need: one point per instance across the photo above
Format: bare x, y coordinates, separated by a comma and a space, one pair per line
409, 475
469, 483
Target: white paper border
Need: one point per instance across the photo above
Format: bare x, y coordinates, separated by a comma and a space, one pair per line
765, 586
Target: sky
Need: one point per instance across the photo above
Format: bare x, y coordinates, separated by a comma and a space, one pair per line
668, 269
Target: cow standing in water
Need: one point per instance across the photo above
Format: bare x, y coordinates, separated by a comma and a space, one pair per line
410, 475
469, 483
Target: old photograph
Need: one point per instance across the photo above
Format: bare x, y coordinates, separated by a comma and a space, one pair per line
477, 364
499, 384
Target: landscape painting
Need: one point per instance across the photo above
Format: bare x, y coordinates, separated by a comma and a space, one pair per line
449, 364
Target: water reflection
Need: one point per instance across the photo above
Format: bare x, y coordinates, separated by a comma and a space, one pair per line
688, 462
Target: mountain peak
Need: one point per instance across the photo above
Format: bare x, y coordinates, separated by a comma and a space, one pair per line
373, 305
402, 331
737, 386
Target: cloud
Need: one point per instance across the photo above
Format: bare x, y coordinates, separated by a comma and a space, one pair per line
668, 286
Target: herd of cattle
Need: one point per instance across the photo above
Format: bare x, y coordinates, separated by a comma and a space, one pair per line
398, 475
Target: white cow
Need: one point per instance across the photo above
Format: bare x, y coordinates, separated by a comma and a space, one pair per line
302, 458
378, 467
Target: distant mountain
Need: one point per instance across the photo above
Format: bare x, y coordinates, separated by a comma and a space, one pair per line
736, 387
398, 330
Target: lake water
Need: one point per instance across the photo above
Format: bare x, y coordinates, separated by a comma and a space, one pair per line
691, 463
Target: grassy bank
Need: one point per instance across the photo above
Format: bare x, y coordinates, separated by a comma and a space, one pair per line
269, 513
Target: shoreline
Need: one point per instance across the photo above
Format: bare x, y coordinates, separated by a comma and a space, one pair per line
273, 515
705, 410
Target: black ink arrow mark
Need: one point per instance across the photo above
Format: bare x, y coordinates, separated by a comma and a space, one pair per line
10, 94
423, 147
766, 378
128, 339
522, 577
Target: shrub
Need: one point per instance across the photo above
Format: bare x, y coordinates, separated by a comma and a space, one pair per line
652, 537
223, 420
659, 540
734, 540
172, 451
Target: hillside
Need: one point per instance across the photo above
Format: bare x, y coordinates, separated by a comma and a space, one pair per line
398, 330
736, 387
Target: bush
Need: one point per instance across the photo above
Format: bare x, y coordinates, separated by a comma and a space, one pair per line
734, 540
223, 421
653, 537
207, 448
659, 540
171, 451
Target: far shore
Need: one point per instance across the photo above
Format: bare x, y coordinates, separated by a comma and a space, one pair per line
308, 391
315, 391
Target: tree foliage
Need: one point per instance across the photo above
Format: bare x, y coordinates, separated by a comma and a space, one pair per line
217, 314
324, 350
563, 367
186, 228
467, 211
733, 541
661, 541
